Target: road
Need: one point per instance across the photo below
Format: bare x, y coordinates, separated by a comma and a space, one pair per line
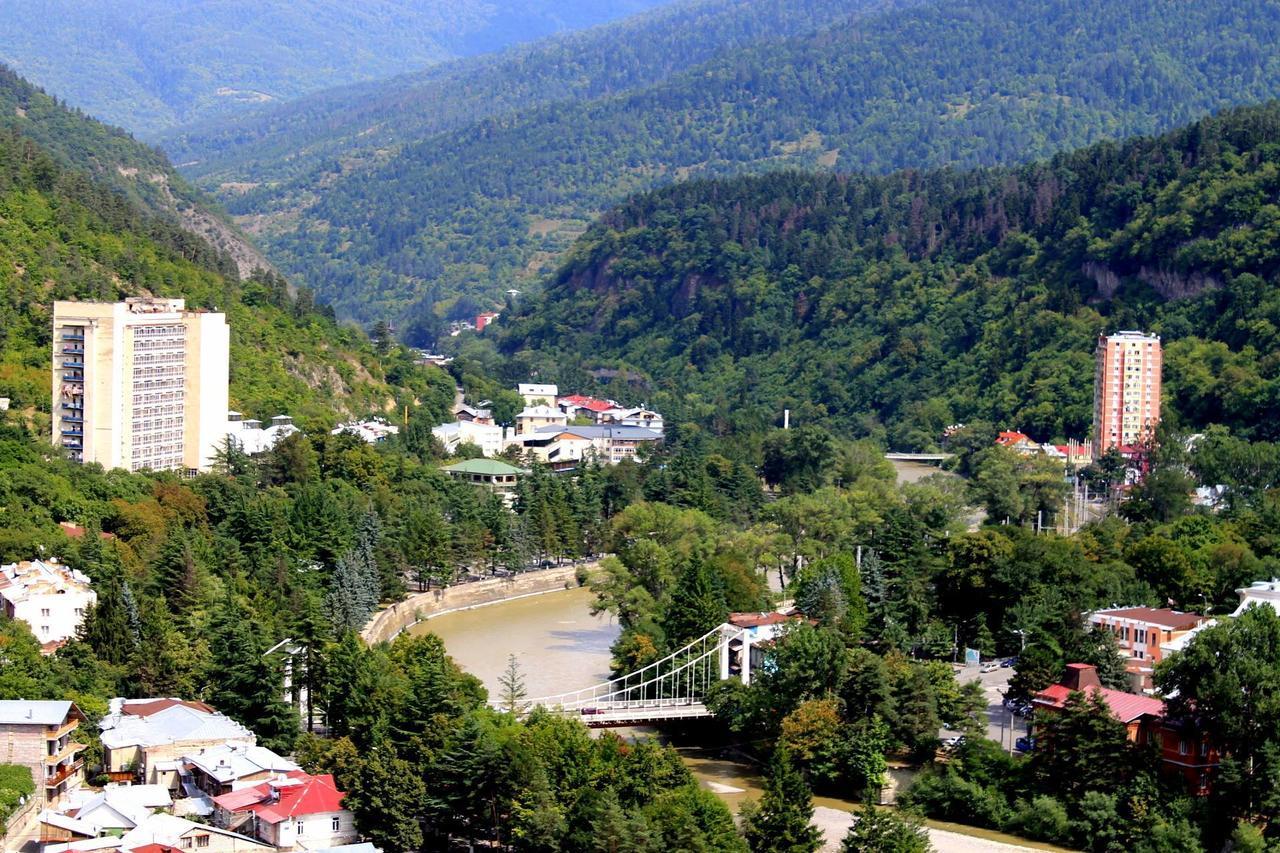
1002, 726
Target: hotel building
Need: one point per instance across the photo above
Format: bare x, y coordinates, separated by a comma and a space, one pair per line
140, 384
1126, 391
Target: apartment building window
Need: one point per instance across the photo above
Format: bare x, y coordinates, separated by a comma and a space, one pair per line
185, 843
1183, 749
44, 629
1204, 748
336, 824
202, 841
44, 611
297, 828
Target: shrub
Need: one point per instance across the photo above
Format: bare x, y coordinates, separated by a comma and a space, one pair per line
1044, 819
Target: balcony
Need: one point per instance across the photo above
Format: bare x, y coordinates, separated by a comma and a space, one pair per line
66, 752
64, 774
57, 732
66, 378
72, 336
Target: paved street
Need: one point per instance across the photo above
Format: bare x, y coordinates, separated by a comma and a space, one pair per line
1002, 726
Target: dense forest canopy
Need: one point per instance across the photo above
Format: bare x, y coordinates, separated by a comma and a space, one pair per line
486, 206
910, 302
151, 64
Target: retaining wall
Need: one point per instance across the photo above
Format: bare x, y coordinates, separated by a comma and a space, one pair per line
387, 623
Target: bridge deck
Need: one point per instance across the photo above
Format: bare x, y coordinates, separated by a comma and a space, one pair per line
603, 718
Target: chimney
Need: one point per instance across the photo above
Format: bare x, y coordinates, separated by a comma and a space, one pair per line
1081, 676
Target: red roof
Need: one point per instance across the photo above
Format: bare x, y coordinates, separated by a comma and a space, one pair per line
155, 848
147, 707
755, 620
299, 793
587, 403
1174, 620
1126, 707
1010, 438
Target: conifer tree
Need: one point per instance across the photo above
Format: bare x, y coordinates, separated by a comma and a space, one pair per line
248, 687
783, 821
696, 606
512, 683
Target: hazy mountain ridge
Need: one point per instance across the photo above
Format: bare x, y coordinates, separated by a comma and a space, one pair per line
152, 64
488, 206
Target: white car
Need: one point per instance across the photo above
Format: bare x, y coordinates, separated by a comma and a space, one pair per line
990, 667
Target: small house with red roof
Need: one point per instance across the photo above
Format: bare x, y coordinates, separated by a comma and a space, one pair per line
1017, 441
293, 811
1182, 751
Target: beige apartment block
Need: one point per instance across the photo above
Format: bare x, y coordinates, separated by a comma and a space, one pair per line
140, 384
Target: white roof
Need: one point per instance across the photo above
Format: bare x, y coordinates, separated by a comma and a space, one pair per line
69, 823
529, 389
175, 724
166, 829
229, 762
33, 713
38, 577
1259, 592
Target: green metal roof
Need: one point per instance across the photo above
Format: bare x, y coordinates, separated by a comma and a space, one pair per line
486, 467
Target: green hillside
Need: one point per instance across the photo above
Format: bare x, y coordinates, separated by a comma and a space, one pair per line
152, 64
488, 206
896, 306
116, 159
66, 236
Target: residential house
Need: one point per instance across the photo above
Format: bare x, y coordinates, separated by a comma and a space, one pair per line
1019, 442
485, 318
39, 735
607, 445
298, 811
491, 440
370, 431
535, 418
114, 810
646, 418
1182, 752
1141, 632
537, 395
50, 597
579, 406
222, 769
750, 636
145, 740
249, 436
473, 414
492, 474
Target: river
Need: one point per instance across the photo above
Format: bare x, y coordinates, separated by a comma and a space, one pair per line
561, 647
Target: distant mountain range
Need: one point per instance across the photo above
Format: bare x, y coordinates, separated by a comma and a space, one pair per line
148, 65
897, 306
475, 178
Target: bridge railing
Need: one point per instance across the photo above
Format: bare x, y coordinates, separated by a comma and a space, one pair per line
680, 678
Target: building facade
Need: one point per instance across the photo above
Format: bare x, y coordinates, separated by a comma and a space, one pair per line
40, 735
1142, 633
1126, 392
140, 384
48, 596
297, 811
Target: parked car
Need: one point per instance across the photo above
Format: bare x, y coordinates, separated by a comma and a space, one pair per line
951, 743
1008, 662
990, 667
1021, 709
1025, 744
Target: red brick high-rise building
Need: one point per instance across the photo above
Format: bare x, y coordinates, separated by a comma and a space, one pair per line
1126, 391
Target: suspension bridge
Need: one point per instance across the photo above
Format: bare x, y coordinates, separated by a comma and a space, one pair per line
673, 688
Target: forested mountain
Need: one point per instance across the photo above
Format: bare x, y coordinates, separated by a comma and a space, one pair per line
114, 158
896, 306
360, 122
152, 64
67, 236
480, 208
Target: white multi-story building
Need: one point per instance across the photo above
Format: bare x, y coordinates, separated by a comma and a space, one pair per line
537, 395
48, 596
491, 439
140, 384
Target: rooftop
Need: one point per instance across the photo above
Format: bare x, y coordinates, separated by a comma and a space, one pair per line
484, 467
40, 577
1174, 620
230, 762
297, 794
24, 712
622, 433
177, 723
1083, 678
